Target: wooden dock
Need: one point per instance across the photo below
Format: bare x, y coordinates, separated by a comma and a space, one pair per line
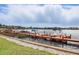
53, 37
59, 38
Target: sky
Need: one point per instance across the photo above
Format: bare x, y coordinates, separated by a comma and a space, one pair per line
40, 15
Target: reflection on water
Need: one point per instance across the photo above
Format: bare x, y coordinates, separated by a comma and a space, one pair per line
56, 44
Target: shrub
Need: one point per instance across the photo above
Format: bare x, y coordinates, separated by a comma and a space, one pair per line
21, 35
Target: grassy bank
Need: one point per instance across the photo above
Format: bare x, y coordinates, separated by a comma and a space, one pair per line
10, 48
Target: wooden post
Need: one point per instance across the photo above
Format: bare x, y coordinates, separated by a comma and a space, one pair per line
62, 42
44, 32
35, 35
29, 36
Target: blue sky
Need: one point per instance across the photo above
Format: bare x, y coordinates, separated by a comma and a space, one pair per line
40, 15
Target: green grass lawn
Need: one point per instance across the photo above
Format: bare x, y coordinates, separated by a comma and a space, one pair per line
10, 48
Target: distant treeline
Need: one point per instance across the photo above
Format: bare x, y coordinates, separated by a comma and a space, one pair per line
11, 26
53, 28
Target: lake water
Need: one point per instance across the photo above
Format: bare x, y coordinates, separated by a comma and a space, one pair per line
74, 33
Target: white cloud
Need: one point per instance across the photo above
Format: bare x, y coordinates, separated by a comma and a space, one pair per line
53, 14
30, 11
71, 13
